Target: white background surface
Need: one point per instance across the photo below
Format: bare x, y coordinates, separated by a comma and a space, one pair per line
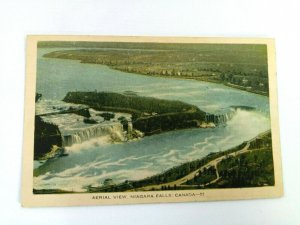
244, 18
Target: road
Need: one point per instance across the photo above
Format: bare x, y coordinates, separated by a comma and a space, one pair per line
180, 182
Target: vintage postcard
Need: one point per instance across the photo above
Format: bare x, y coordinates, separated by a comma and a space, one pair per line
122, 120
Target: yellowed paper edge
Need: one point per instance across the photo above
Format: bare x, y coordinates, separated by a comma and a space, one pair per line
28, 199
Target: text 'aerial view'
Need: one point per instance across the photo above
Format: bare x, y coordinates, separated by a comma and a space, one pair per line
143, 117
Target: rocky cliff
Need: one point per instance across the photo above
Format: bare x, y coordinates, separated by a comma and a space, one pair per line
46, 136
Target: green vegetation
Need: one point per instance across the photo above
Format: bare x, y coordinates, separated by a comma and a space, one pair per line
124, 122
204, 177
170, 175
242, 66
251, 169
167, 122
80, 112
37, 97
107, 116
89, 121
46, 135
180, 171
149, 115
137, 104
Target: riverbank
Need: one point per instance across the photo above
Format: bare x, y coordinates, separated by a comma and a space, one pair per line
149, 115
228, 84
157, 152
122, 116
252, 160
244, 68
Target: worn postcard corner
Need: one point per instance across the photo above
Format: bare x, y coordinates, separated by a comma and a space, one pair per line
128, 120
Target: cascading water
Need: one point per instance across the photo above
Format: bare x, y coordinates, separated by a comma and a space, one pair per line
147, 156
220, 118
76, 129
114, 130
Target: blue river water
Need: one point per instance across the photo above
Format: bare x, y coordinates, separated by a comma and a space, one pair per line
93, 161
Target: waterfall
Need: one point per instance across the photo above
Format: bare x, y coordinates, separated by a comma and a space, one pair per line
220, 117
130, 128
84, 134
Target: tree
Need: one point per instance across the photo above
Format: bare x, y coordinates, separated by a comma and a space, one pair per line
38, 96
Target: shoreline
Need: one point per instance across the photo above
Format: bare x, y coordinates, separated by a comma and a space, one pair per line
174, 77
234, 86
227, 84
212, 158
139, 185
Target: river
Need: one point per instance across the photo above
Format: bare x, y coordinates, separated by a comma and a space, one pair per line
93, 161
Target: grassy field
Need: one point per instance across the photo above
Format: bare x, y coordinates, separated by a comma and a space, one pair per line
242, 66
